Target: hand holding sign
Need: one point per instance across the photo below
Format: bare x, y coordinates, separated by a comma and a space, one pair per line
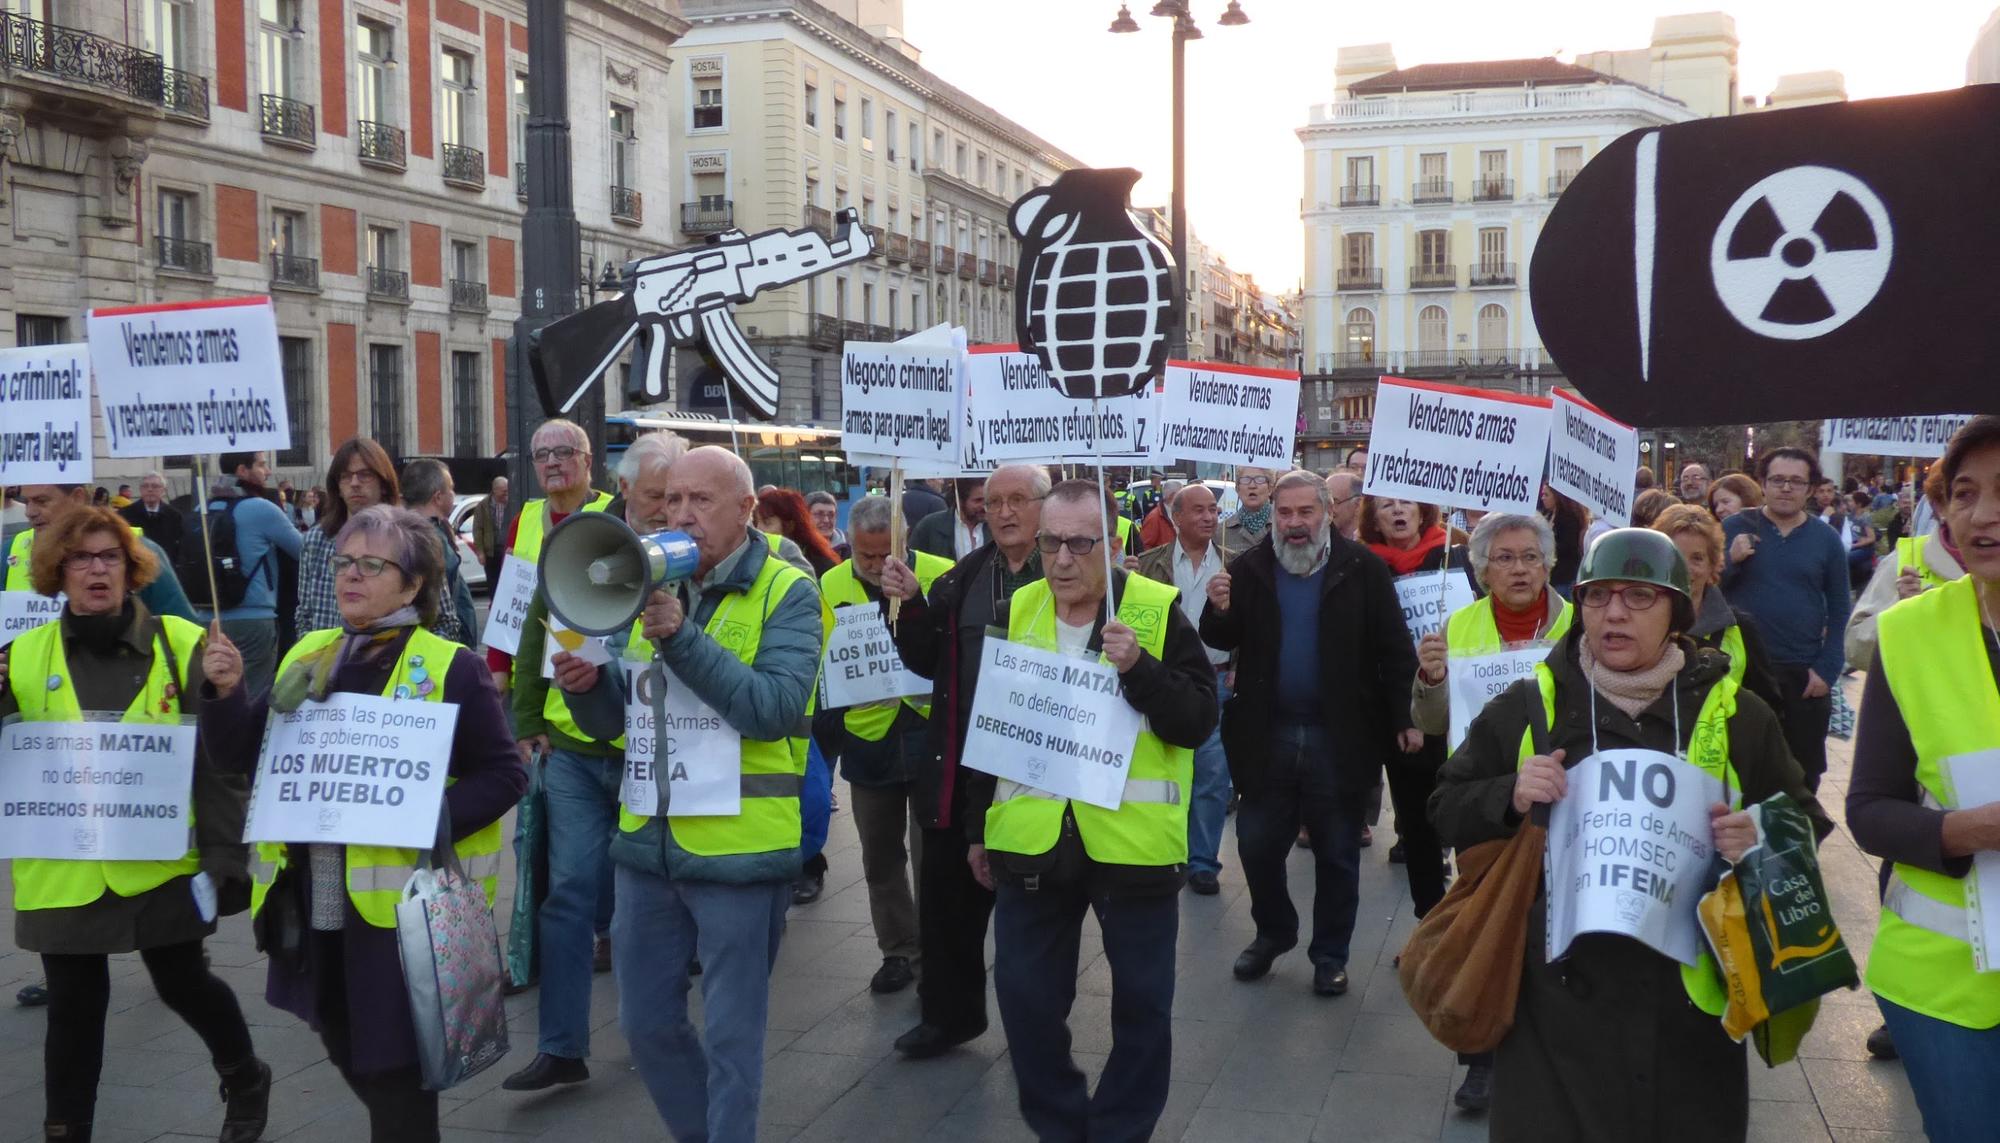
1432, 656
1218, 591
1541, 780
1120, 646
575, 674
221, 662
898, 581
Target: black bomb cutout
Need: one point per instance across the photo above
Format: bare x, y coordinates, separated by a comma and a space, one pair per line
687, 297
1095, 299
1820, 261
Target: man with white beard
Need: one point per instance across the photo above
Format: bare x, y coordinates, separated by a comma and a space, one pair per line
1322, 658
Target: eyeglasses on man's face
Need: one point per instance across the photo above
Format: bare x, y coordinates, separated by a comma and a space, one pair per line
547, 453
1014, 503
1077, 545
1786, 483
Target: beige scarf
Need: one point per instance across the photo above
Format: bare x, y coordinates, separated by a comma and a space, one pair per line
1632, 691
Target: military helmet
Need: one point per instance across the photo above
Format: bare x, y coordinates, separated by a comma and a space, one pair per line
1641, 555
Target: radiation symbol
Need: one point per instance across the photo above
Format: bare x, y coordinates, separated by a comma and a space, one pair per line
1801, 253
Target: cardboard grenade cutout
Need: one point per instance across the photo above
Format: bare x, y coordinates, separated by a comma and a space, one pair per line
684, 298
1096, 296
1826, 261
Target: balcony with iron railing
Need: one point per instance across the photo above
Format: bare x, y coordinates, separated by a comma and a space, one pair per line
944, 258
1559, 182
1363, 278
968, 265
463, 166
875, 235
1430, 192
697, 218
1434, 278
1488, 189
287, 121
74, 56
627, 205
182, 256
184, 94
521, 181
1361, 196
1493, 274
388, 285
827, 331
820, 219
291, 272
468, 297
897, 249
920, 254
382, 145
1006, 276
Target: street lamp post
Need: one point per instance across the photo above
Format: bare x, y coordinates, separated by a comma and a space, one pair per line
1185, 29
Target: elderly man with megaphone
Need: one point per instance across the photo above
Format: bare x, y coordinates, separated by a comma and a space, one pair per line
704, 860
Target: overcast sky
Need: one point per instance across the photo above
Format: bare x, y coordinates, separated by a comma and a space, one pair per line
1052, 66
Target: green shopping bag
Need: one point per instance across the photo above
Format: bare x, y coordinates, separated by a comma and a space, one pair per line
531, 885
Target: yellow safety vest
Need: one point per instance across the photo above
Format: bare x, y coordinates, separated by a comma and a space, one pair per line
1732, 646
377, 874
1472, 630
768, 816
1149, 827
1124, 534
1934, 654
19, 553
37, 656
1708, 751
535, 525
840, 587
1910, 554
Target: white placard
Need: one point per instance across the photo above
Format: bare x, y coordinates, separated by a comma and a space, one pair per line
704, 753
1228, 414
861, 664
45, 415
1593, 459
96, 791
901, 401
1428, 597
354, 769
1975, 782
190, 377
1629, 851
1013, 411
1923, 437
1461, 448
594, 649
1052, 721
22, 611
1476, 680
508, 612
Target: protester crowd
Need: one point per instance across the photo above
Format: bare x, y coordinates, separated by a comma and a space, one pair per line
1267, 655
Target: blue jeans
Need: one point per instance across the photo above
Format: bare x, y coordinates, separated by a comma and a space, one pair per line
1951, 1071
1035, 948
1210, 801
582, 794
705, 1086
1301, 788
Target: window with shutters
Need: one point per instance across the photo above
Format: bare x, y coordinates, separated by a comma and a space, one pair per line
1492, 331
1433, 330
1359, 336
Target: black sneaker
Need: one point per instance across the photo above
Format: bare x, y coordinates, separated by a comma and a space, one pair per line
246, 1095
1204, 883
1476, 1093
806, 890
546, 1071
927, 1040
894, 976
1881, 1045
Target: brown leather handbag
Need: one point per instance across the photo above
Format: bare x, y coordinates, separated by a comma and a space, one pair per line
1461, 970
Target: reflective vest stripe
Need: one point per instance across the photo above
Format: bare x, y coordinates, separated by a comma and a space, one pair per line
1136, 790
1932, 916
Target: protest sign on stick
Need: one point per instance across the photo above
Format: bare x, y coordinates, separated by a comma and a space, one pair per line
861, 664
1015, 411
45, 415
353, 769
508, 611
1457, 447
1475, 680
1593, 459
96, 791
190, 377
901, 400
1921, 437
1228, 414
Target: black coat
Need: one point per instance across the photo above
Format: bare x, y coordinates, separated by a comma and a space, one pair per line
934, 534
1366, 662
1605, 1043
164, 527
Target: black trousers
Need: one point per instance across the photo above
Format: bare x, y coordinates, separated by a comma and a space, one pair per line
80, 996
399, 1109
1412, 777
952, 911
1804, 720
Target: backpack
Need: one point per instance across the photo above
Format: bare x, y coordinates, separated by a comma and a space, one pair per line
192, 565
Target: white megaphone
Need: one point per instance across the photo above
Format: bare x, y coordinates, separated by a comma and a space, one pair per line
596, 572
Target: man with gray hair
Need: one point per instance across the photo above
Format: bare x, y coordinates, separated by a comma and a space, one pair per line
1343, 486
154, 517
939, 636
1323, 661
428, 491
561, 452
879, 746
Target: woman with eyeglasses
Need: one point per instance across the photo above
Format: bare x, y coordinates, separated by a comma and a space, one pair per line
338, 902
1616, 1040
1717, 625
108, 653
360, 476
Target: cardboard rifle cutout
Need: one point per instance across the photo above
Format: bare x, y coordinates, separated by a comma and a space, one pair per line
684, 298
1095, 297
1822, 261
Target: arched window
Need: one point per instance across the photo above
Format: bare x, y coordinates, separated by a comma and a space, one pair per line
1492, 332
1432, 330
964, 307
1358, 342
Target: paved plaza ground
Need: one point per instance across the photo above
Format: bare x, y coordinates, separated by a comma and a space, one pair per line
1252, 1062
